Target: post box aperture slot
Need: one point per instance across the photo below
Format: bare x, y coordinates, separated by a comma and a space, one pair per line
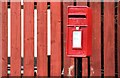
77, 16
77, 39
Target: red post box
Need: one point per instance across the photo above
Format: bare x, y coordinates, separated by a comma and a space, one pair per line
79, 31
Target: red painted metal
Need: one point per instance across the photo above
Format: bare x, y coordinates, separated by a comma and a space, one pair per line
80, 16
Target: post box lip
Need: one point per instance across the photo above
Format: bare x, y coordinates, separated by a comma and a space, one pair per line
77, 25
69, 55
77, 14
77, 7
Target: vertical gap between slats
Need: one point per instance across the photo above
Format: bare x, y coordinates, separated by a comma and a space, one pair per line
102, 39
35, 39
88, 3
9, 36
22, 37
48, 37
118, 38
74, 2
116, 73
62, 60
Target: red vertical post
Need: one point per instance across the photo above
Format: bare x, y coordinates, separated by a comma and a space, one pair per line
0, 39
68, 62
95, 59
15, 60
55, 66
28, 39
41, 38
4, 38
109, 39
118, 38
84, 60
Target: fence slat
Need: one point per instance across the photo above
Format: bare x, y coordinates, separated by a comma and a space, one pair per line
4, 38
109, 39
84, 60
95, 59
55, 66
68, 62
28, 39
15, 60
118, 38
81, 3
42, 39
0, 39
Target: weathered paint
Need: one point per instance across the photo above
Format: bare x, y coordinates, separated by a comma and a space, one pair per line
4, 38
28, 39
41, 38
95, 64
15, 60
0, 39
55, 66
109, 39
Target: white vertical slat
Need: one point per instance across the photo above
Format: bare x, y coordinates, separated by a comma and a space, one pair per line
35, 33
22, 32
9, 32
48, 33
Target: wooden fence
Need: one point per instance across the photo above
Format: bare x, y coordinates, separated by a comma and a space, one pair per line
105, 59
